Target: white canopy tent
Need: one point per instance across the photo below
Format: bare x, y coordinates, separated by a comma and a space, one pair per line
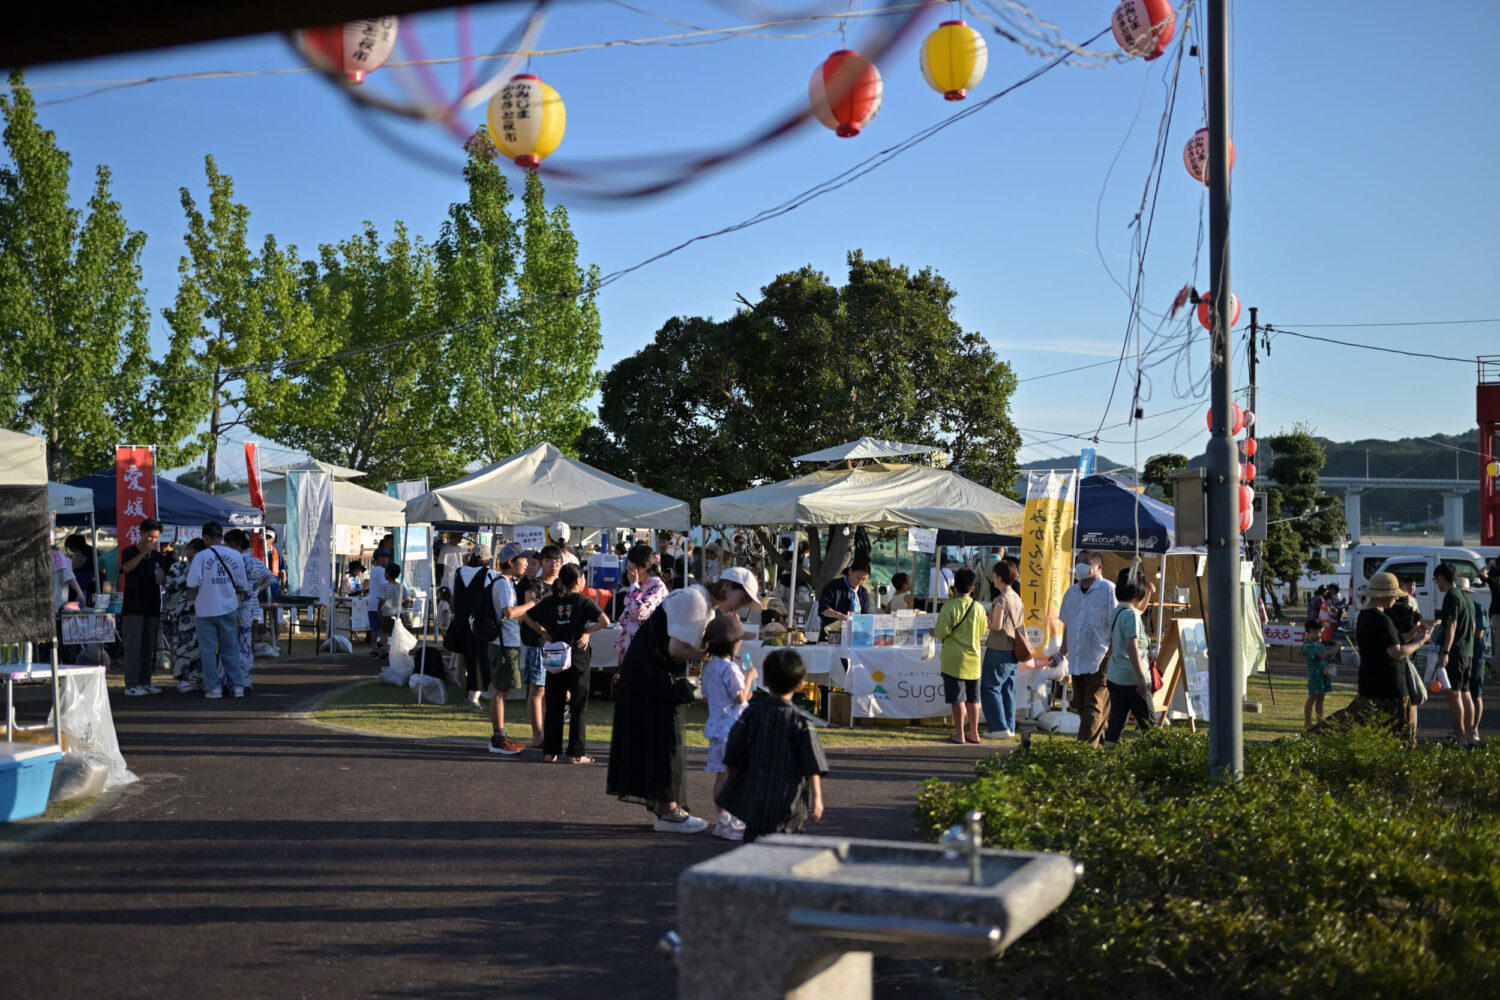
65, 499
865, 447
877, 495
542, 485
23, 459
352, 504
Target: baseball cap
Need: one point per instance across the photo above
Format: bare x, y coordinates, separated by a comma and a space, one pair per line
510, 551
746, 579
480, 552
561, 532
724, 628
531, 554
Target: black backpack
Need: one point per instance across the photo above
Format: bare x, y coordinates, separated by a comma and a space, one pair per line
470, 600
486, 622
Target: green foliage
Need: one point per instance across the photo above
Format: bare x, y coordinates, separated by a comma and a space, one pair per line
197, 479
73, 319
1300, 516
235, 314
1342, 864
1159, 469
714, 406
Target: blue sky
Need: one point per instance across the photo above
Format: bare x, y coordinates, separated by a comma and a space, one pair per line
1363, 190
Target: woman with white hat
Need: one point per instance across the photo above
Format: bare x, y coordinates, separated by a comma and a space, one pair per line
560, 533
645, 752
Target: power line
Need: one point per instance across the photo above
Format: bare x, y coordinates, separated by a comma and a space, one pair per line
1421, 322
1368, 347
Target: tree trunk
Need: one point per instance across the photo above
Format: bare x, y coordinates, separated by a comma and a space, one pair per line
211, 462
831, 564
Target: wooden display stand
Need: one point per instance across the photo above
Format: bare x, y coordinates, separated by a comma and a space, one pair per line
1173, 674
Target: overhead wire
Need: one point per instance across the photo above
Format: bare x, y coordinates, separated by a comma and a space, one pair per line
1427, 355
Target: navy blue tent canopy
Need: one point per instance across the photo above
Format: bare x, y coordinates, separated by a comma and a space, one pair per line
1107, 518
175, 504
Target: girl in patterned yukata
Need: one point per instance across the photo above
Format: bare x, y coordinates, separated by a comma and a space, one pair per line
646, 594
1317, 654
260, 577
182, 621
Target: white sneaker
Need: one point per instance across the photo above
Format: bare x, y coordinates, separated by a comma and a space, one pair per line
237, 692
135, 692
728, 831
213, 693
186, 687
679, 821
152, 689
999, 734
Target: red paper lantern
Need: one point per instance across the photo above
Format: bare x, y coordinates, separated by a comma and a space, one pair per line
1247, 518
1195, 155
353, 48
1247, 499
845, 92
1249, 415
1238, 419
1247, 472
1204, 318
1144, 27
1250, 447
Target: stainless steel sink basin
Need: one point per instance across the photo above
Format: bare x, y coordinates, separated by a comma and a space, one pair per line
902, 866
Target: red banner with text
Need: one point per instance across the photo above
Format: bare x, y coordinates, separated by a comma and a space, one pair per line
135, 491
252, 472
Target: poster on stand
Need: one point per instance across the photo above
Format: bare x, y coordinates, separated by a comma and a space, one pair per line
415, 558
1046, 552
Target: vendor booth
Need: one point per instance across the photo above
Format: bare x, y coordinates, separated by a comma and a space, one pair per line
889, 665
352, 504
176, 504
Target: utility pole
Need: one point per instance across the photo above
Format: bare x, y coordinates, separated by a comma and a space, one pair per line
1252, 549
1226, 728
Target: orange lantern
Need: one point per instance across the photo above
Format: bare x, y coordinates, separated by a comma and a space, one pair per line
1204, 318
1237, 422
845, 92
1144, 27
1247, 500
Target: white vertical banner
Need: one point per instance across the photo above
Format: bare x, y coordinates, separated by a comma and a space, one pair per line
309, 555
416, 558
406, 489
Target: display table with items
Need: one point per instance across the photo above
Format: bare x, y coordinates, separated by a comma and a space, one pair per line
81, 712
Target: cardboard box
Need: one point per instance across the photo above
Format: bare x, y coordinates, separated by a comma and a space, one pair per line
840, 708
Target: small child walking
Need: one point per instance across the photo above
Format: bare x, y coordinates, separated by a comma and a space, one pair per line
776, 764
1317, 654
726, 689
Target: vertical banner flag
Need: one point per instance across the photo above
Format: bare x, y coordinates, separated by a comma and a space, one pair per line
135, 491
415, 557
257, 500
406, 489
1046, 552
309, 530
1086, 462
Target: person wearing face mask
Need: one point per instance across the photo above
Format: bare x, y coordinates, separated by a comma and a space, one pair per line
1085, 615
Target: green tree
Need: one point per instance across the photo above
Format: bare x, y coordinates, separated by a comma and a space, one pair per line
531, 333
236, 315
74, 326
1300, 516
381, 403
1159, 469
714, 406
197, 479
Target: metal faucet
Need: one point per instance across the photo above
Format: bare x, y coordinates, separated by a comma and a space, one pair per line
967, 839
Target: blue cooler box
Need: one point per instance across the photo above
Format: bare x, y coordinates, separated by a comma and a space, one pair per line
26, 779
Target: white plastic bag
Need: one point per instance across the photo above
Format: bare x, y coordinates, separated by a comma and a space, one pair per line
267, 650
337, 644
402, 643
429, 690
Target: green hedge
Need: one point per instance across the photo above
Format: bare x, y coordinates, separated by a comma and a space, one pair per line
1342, 864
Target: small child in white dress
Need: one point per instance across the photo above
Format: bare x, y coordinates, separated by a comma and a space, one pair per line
726, 689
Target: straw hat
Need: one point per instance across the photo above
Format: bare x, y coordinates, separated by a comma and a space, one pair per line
1384, 585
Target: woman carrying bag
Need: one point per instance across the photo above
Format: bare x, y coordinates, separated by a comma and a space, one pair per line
1002, 651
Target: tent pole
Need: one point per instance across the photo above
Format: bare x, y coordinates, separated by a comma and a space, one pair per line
94, 540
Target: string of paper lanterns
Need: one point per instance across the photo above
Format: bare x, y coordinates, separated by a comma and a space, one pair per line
353, 48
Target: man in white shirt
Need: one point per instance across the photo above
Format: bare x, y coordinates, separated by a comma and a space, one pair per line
215, 581
1085, 616
450, 559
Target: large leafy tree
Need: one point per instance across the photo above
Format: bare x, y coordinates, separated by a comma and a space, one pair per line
530, 332
74, 326
714, 406
236, 315
1300, 516
377, 396
1159, 469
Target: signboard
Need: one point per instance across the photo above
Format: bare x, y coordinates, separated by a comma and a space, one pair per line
343, 539
921, 540
135, 491
309, 541
531, 536
1046, 552
895, 683
1284, 634
415, 558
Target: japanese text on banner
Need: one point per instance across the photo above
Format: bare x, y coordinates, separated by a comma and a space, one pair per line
1046, 549
252, 474
135, 491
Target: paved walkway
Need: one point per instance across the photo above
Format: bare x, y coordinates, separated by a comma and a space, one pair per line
261, 856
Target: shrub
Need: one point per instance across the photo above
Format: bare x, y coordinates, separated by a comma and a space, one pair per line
1340, 864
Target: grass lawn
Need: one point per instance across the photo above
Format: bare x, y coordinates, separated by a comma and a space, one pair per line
56, 812
383, 709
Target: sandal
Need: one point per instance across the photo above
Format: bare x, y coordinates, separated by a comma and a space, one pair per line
585, 759
549, 758
960, 741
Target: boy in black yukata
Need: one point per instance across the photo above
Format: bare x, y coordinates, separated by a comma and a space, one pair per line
776, 764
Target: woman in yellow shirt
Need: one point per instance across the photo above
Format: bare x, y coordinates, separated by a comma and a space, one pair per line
960, 628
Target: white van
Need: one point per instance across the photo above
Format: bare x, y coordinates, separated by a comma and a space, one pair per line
1411, 562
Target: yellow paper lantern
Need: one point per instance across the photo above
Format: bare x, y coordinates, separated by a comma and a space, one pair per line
1493, 469
527, 120
954, 58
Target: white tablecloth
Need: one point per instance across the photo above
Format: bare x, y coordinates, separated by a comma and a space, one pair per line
895, 682
824, 662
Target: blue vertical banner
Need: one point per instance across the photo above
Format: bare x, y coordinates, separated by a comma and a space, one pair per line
1086, 462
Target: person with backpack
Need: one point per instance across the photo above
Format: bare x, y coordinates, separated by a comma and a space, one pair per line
476, 625
506, 671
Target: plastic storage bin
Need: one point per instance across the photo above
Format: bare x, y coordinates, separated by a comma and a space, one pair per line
26, 779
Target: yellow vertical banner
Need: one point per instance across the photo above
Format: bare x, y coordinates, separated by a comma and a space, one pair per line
1046, 552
